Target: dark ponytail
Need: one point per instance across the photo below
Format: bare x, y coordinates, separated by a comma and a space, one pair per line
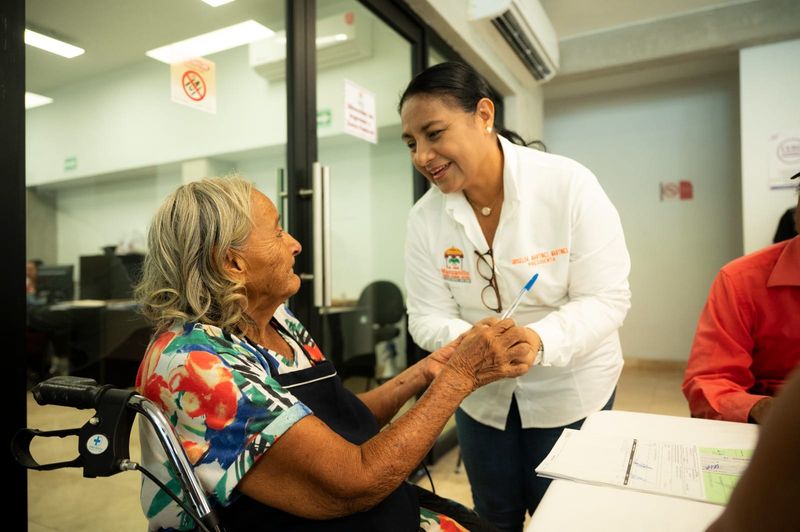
461, 84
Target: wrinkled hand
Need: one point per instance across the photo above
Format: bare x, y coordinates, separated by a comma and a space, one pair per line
488, 353
530, 334
432, 364
491, 320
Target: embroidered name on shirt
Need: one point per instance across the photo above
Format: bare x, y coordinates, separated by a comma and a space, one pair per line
453, 269
544, 257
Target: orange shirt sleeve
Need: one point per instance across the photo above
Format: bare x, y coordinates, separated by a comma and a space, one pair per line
718, 374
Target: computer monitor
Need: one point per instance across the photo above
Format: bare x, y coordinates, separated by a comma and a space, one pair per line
122, 286
55, 284
110, 276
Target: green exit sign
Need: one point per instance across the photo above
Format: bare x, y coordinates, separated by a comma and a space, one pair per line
70, 163
324, 118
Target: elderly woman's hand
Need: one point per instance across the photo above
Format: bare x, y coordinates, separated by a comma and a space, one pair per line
488, 353
432, 364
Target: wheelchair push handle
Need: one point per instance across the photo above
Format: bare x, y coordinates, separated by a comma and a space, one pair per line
74, 392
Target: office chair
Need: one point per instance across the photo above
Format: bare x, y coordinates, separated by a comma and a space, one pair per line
103, 442
385, 308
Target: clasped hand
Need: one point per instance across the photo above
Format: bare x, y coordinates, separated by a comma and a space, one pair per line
490, 351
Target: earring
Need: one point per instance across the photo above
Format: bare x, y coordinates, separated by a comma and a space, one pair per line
488, 129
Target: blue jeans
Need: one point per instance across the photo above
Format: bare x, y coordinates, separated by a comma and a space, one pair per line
500, 465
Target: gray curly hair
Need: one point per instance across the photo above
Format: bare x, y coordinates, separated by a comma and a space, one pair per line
183, 276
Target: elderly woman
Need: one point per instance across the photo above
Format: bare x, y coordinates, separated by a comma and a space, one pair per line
276, 440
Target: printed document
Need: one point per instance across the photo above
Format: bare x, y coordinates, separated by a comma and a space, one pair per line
680, 470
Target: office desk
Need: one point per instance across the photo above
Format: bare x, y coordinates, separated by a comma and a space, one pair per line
569, 505
106, 340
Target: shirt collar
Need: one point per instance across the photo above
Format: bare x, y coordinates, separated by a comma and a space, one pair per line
787, 269
510, 164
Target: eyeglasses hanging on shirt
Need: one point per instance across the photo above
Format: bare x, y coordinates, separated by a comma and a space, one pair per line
490, 295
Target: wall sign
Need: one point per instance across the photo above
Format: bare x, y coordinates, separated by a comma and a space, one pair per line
193, 83
359, 112
324, 117
676, 190
784, 158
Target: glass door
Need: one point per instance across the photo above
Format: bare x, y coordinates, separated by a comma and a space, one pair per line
368, 189
112, 127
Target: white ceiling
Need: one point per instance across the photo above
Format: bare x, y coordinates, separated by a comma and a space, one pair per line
571, 18
116, 33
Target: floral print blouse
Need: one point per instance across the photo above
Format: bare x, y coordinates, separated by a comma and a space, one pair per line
218, 393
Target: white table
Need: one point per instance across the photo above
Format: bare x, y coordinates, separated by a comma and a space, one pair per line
574, 506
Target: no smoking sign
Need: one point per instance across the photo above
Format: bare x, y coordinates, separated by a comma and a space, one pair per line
193, 83
676, 190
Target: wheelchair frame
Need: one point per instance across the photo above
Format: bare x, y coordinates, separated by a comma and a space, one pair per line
104, 441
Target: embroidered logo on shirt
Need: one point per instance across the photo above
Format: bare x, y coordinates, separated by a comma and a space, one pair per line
453, 269
544, 257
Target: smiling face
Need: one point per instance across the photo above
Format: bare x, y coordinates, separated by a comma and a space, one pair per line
267, 258
447, 145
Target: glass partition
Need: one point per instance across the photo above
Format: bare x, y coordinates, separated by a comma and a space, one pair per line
159, 94
363, 66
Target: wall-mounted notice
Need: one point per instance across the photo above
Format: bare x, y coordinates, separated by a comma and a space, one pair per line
194, 83
359, 112
784, 158
676, 190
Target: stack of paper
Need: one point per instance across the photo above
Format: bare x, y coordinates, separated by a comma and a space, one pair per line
703, 474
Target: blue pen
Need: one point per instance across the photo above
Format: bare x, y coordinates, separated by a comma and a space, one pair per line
515, 304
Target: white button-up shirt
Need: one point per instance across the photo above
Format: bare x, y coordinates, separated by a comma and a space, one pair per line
557, 221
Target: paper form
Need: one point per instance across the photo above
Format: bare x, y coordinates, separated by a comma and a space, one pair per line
721, 470
680, 470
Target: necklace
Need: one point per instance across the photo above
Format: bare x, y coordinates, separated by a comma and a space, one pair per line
486, 211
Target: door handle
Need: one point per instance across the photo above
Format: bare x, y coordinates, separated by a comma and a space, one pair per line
321, 208
283, 199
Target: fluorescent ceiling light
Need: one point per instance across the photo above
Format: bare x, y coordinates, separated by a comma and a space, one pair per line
212, 42
216, 3
35, 100
54, 46
330, 39
320, 41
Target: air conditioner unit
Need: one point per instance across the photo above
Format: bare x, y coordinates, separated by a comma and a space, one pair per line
524, 25
341, 38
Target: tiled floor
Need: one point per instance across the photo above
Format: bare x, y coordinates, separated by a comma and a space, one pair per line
63, 500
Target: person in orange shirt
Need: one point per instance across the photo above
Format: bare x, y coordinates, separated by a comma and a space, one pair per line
748, 336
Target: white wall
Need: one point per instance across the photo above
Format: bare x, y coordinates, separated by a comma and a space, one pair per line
125, 119
770, 103
117, 212
634, 139
107, 214
40, 227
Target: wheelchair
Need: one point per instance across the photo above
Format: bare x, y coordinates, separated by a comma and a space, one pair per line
104, 441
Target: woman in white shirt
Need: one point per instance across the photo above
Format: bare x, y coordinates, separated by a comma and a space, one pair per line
498, 213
